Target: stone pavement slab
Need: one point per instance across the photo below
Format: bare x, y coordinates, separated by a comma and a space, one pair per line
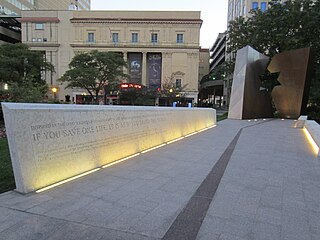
269, 190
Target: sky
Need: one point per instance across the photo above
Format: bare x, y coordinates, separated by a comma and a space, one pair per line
213, 12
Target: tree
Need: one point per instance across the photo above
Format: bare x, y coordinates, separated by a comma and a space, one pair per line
284, 26
95, 71
21, 69
169, 87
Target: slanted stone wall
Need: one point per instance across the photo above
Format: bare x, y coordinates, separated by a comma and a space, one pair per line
50, 143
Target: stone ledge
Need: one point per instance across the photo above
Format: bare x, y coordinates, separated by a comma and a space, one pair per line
314, 130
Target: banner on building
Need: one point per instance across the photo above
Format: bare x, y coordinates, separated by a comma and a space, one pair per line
135, 67
154, 70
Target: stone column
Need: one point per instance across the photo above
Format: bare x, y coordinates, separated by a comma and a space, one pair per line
125, 58
144, 68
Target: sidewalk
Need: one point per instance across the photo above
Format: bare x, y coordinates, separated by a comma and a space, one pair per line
269, 190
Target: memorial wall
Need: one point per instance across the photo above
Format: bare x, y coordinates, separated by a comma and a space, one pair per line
50, 143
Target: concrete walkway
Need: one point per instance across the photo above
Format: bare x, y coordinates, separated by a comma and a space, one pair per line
269, 189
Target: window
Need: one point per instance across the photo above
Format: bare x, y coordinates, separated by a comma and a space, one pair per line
39, 26
115, 37
90, 37
134, 37
178, 83
255, 5
34, 39
179, 38
263, 6
154, 37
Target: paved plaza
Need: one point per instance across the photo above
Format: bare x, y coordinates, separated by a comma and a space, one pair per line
240, 180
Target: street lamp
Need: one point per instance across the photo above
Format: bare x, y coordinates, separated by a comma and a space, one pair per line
54, 91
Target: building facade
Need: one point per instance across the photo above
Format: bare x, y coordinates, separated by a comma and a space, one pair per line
218, 51
158, 46
14, 7
213, 90
10, 11
237, 8
204, 63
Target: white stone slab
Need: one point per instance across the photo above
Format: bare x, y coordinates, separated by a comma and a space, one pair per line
49, 143
314, 129
300, 122
245, 95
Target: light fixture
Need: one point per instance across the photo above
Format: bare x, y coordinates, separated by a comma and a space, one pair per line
54, 90
153, 148
67, 180
120, 160
311, 141
175, 140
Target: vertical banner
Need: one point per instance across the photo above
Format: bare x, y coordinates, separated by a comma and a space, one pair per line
135, 67
154, 70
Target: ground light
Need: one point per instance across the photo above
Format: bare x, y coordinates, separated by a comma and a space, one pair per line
120, 160
67, 180
311, 141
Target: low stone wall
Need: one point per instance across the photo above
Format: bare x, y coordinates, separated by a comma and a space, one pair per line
50, 143
314, 129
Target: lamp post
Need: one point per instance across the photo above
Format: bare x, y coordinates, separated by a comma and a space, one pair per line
54, 91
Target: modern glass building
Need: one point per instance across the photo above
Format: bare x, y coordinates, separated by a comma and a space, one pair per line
237, 8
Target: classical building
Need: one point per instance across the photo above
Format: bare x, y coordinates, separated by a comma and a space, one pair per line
14, 7
158, 46
10, 11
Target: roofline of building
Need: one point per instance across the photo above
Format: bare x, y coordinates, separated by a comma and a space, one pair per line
204, 49
39, 19
190, 21
218, 39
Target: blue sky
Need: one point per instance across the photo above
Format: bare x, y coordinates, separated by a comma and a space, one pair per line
213, 12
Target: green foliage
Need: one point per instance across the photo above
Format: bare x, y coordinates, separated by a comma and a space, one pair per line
292, 25
169, 88
6, 174
134, 96
21, 69
94, 70
222, 117
284, 26
218, 73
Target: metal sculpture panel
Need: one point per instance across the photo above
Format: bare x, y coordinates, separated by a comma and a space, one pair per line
247, 100
290, 98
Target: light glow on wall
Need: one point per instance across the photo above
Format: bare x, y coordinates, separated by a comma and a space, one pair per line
311, 141
120, 160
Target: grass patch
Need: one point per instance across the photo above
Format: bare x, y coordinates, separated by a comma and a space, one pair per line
222, 117
6, 174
